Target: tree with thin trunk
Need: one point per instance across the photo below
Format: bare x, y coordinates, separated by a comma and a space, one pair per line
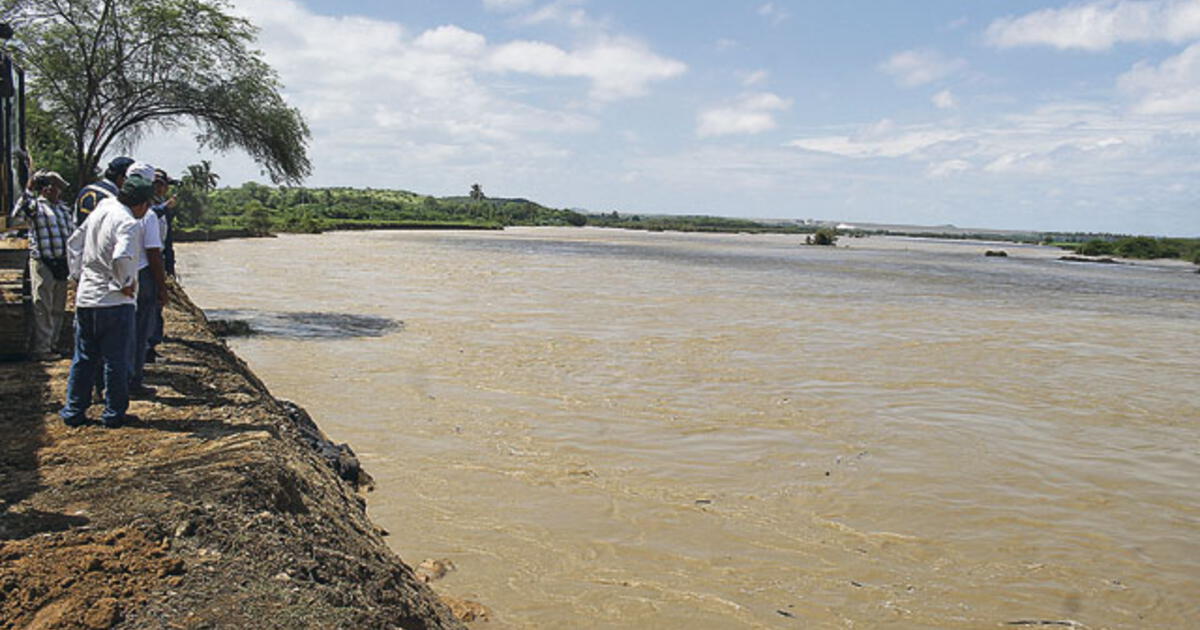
110, 72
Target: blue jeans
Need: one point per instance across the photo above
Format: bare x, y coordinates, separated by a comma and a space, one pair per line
103, 336
147, 311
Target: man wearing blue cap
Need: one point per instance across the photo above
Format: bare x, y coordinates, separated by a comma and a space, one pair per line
104, 255
91, 195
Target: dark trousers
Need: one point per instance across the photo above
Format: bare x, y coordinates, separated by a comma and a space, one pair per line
147, 312
103, 337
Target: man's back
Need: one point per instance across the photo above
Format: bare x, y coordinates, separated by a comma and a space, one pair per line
110, 233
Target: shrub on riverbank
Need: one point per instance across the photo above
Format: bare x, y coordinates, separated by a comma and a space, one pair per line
1143, 247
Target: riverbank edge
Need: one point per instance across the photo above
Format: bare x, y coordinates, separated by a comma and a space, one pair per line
214, 507
202, 236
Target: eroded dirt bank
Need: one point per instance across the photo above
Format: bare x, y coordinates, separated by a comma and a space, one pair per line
211, 510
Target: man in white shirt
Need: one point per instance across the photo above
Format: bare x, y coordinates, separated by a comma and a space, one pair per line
152, 289
103, 255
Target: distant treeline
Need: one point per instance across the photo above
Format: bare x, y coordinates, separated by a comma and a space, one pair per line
263, 209
1146, 247
257, 209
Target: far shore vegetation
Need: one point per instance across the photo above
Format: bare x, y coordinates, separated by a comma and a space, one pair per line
256, 209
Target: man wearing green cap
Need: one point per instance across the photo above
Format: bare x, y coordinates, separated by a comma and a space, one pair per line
103, 255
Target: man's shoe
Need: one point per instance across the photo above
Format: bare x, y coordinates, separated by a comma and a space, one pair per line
117, 423
151, 356
75, 421
141, 392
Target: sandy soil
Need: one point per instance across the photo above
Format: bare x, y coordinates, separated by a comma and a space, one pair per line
209, 511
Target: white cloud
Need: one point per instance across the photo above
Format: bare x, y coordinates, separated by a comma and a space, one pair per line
881, 139
566, 12
1172, 87
1057, 140
758, 77
753, 113
725, 44
390, 107
773, 12
618, 68
912, 68
945, 100
1100, 24
452, 40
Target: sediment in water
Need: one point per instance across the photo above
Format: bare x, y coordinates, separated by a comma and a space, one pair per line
217, 507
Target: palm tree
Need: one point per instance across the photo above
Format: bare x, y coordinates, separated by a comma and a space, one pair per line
201, 177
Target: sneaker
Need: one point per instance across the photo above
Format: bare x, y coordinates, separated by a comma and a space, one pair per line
75, 421
141, 392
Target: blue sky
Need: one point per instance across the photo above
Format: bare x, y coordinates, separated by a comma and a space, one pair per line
1004, 114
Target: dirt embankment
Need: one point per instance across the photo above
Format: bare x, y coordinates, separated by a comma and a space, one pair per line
212, 510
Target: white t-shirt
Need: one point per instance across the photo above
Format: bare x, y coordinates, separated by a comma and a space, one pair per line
151, 238
109, 244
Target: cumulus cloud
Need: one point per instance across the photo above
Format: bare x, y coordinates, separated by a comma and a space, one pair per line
1172, 87
945, 100
442, 103
1100, 24
753, 113
912, 68
618, 68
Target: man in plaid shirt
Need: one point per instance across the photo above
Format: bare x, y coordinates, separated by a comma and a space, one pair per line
50, 225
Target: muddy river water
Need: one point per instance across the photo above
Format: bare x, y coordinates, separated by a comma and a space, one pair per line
612, 429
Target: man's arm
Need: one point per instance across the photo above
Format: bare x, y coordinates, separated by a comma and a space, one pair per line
125, 256
23, 209
158, 270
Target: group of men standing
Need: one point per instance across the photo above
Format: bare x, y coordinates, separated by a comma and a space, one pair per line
116, 247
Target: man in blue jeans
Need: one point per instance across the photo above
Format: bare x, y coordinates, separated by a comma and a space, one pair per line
103, 255
152, 290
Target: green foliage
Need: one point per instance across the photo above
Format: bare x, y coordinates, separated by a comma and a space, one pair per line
298, 209
193, 196
1143, 247
826, 236
1096, 247
109, 71
49, 145
256, 218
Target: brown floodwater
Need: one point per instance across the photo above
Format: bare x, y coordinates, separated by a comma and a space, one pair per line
615, 429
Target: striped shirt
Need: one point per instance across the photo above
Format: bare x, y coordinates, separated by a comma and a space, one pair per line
50, 225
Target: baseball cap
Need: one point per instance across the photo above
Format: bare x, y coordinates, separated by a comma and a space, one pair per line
162, 176
137, 188
117, 167
142, 169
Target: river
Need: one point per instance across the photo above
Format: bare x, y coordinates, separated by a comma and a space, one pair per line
612, 429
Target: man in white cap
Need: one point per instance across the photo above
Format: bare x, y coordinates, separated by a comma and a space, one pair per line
104, 254
50, 225
152, 288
